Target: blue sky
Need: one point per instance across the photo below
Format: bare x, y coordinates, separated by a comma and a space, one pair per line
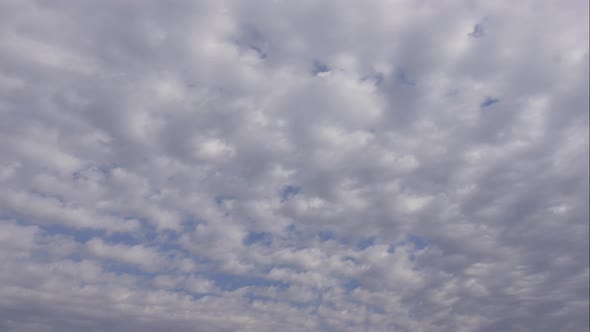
294, 166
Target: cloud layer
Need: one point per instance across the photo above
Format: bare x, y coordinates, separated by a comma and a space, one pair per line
294, 165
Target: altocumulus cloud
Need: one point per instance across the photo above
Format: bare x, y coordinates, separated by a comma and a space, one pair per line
380, 165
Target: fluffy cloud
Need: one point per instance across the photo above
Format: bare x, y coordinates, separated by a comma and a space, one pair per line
302, 166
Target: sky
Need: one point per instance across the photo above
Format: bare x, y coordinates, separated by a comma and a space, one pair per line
327, 165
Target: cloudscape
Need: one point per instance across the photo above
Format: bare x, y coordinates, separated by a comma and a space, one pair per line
282, 165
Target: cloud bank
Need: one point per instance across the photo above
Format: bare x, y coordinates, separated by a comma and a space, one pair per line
380, 165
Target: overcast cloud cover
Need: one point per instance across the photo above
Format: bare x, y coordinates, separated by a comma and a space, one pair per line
328, 165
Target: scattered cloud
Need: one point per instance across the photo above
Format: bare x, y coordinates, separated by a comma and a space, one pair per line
294, 166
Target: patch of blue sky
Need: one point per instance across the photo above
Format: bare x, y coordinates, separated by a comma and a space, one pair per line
222, 199
264, 270
164, 241
189, 224
258, 298
120, 268
104, 169
319, 300
80, 234
296, 232
489, 101
293, 237
261, 54
419, 242
377, 309
147, 234
377, 78
350, 259
366, 243
231, 282
478, 31
291, 228
320, 67
260, 238
391, 248
402, 77
289, 192
198, 296
47, 196
253, 40
266, 299
351, 285
219, 200
326, 236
